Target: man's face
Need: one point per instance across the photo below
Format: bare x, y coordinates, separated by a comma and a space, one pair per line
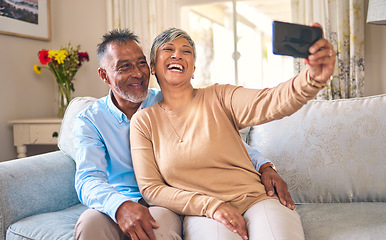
125, 70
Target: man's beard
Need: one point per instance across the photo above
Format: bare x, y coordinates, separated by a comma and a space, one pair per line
130, 97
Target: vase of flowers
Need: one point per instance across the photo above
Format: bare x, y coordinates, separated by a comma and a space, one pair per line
64, 64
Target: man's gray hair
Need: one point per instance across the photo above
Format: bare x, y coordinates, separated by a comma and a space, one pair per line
118, 36
168, 36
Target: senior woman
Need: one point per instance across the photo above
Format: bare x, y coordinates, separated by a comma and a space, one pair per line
188, 154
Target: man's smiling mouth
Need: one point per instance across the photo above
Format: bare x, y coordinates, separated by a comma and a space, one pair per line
136, 84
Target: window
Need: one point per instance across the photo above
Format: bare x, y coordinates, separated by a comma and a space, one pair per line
213, 30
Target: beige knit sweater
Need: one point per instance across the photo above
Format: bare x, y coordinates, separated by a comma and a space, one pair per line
210, 165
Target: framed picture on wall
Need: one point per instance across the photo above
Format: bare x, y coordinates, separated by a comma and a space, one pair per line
26, 18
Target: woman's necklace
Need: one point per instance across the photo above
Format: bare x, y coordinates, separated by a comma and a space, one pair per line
180, 140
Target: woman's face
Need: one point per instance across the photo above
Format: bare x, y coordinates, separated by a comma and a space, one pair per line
174, 63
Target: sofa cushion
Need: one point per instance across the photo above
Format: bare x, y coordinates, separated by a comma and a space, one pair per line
66, 137
47, 226
342, 221
244, 133
329, 151
37, 184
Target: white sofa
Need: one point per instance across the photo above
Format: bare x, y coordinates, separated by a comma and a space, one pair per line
333, 156
331, 153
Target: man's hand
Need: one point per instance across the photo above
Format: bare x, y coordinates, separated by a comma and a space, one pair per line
136, 221
232, 219
272, 181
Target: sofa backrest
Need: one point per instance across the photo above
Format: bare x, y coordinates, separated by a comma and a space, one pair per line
66, 137
329, 151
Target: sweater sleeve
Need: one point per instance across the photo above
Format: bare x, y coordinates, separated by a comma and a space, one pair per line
251, 107
152, 185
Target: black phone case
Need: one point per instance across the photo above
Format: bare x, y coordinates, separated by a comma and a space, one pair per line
293, 39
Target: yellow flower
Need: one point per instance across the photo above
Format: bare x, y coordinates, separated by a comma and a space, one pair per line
58, 55
37, 69
61, 55
52, 53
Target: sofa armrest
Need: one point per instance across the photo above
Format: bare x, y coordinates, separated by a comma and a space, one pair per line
330, 151
34, 185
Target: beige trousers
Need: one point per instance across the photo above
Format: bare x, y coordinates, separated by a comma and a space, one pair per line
94, 225
265, 220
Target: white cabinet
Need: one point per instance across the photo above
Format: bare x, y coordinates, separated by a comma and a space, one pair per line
35, 131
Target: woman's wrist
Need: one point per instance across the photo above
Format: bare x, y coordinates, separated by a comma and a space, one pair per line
315, 83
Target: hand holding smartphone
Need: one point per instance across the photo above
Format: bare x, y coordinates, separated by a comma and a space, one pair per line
293, 39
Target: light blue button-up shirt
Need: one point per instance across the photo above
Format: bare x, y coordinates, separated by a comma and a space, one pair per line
104, 177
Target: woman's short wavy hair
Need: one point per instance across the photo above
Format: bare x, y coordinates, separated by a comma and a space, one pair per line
168, 36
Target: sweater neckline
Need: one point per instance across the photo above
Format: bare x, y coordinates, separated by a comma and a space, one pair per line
181, 109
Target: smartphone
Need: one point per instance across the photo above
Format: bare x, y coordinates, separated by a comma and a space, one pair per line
293, 39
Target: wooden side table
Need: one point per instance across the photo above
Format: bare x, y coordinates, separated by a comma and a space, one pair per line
35, 131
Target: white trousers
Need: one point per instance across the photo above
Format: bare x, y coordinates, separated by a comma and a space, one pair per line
265, 220
94, 225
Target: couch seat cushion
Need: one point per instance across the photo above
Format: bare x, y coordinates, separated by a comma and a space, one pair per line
47, 226
342, 221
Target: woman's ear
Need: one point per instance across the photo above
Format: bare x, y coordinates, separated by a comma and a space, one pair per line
193, 72
103, 75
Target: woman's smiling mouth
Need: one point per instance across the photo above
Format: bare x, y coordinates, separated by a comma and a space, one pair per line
176, 67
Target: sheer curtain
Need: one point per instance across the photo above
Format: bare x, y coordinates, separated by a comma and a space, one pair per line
343, 22
146, 18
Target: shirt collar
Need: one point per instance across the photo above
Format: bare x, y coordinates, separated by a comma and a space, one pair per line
117, 113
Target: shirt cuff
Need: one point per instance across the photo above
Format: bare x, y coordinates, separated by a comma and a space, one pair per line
115, 202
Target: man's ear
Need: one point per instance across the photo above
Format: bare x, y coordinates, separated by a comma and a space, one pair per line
103, 75
152, 68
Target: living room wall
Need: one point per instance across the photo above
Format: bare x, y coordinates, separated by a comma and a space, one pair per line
375, 59
25, 94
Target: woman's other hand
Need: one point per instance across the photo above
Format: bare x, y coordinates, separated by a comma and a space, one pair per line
232, 219
321, 60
